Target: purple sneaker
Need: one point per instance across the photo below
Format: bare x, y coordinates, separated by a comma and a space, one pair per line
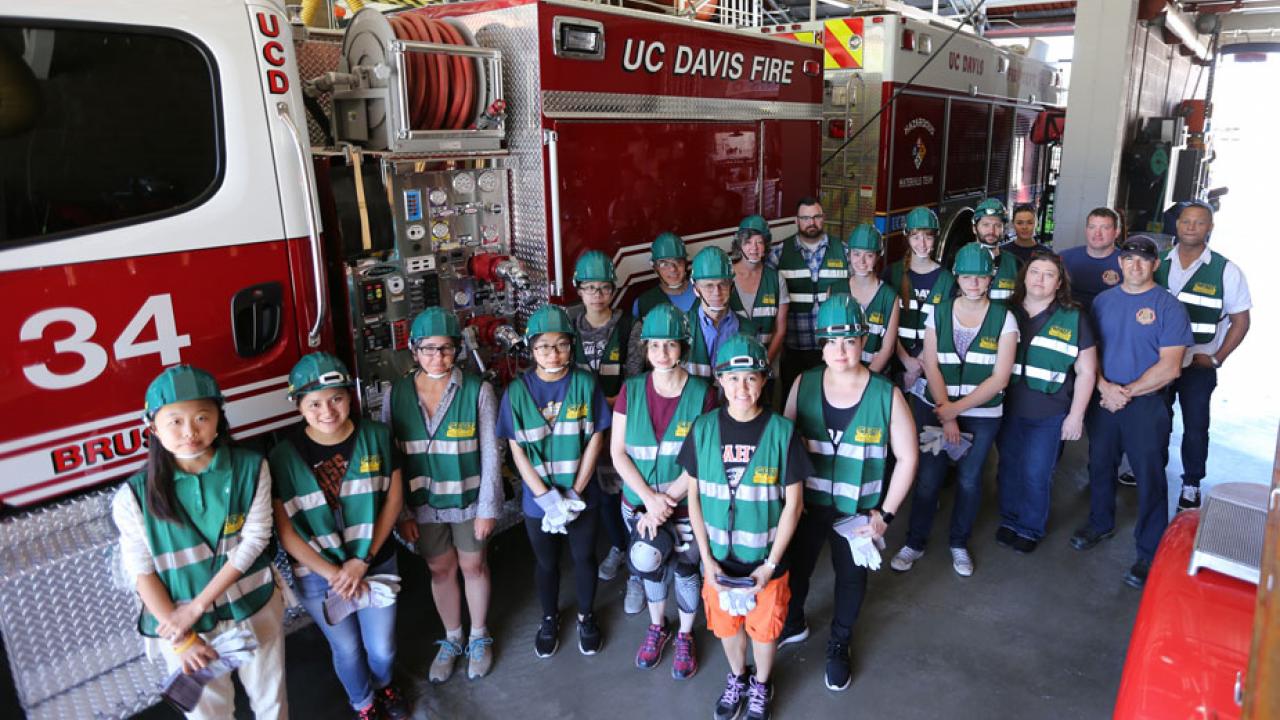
655, 641
685, 664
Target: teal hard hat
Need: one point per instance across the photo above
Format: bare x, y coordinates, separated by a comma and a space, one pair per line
434, 322
318, 371
840, 316
741, 353
594, 266
667, 246
178, 384
922, 218
973, 259
865, 237
712, 263
665, 322
991, 207
753, 225
548, 319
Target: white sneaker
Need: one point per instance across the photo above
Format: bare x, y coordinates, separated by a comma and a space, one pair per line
961, 562
612, 561
905, 558
634, 601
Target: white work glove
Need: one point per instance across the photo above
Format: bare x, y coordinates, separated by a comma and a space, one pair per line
555, 511
742, 600
865, 549
382, 593
955, 451
931, 439
235, 647
573, 503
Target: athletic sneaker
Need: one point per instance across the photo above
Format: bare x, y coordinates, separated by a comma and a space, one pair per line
758, 696
838, 672
393, 704
655, 641
612, 561
793, 632
1127, 479
961, 562
446, 657
370, 711
547, 641
1190, 498
634, 601
1137, 575
734, 697
589, 637
685, 664
905, 558
479, 657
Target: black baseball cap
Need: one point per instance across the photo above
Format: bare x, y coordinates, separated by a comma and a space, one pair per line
1143, 245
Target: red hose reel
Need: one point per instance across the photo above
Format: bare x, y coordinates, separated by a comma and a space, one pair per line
441, 89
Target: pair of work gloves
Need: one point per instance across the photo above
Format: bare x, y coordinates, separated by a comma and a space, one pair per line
559, 508
864, 548
234, 647
738, 601
381, 593
934, 441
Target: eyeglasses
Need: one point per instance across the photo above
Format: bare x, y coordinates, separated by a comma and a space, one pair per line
432, 350
811, 218
601, 289
669, 264
546, 348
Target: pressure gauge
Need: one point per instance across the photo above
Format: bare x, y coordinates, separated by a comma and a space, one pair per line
461, 298
464, 183
438, 197
488, 181
440, 230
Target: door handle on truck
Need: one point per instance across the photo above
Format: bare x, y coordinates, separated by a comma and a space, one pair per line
317, 272
255, 318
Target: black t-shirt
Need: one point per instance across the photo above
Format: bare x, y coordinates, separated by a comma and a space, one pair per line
329, 465
1022, 401
837, 419
738, 442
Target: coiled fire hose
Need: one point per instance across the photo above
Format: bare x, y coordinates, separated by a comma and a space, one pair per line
441, 88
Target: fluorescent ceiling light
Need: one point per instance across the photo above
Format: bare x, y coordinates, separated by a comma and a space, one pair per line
836, 3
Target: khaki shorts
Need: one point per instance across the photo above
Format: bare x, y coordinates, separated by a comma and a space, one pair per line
438, 538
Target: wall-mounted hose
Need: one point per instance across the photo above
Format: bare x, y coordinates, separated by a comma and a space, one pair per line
441, 89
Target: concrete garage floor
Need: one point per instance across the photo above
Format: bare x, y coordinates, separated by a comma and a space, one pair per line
1037, 636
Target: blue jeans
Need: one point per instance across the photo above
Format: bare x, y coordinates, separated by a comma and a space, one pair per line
1193, 390
363, 644
1028, 453
1140, 431
933, 470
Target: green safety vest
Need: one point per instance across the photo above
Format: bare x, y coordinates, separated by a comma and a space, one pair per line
555, 450
1201, 295
609, 373
443, 469
186, 562
914, 312
765, 312
361, 496
805, 292
650, 299
1044, 365
877, 313
742, 522
700, 361
656, 460
963, 376
847, 474
1006, 278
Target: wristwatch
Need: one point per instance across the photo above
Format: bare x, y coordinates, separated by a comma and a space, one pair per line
1216, 362
886, 516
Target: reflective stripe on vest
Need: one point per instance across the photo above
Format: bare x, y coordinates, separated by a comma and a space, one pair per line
1006, 278
442, 469
804, 289
609, 370
700, 360
555, 451
656, 461
1051, 353
847, 474
1202, 294
878, 313
963, 376
911, 321
765, 311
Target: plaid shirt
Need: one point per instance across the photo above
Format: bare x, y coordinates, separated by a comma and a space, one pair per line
801, 325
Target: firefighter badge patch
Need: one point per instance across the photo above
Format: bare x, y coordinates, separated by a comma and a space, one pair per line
918, 151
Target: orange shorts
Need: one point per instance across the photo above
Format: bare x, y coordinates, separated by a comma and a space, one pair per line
764, 622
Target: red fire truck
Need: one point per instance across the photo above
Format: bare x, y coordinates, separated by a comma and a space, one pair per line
956, 132
209, 183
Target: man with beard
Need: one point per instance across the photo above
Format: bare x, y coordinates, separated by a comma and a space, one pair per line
988, 227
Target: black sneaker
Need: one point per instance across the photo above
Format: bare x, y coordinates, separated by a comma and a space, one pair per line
793, 632
758, 696
393, 704
1127, 479
589, 637
1005, 536
1086, 537
1137, 575
547, 641
734, 698
1026, 546
1190, 498
838, 673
